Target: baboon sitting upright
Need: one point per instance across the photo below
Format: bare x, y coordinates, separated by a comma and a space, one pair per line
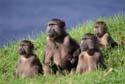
60, 48
91, 56
28, 63
104, 38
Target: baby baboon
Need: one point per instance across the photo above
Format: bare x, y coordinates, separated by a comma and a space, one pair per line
90, 57
60, 48
28, 63
104, 38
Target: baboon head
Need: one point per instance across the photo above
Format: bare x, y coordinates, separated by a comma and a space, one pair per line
88, 42
26, 47
55, 28
100, 28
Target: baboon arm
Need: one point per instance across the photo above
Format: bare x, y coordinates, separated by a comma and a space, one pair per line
37, 65
47, 57
75, 56
102, 62
80, 63
72, 46
48, 52
106, 40
46, 66
67, 41
47, 60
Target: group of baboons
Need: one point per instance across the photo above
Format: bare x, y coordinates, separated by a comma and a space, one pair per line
63, 54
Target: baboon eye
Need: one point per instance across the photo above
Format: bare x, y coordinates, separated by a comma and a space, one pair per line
22, 45
84, 38
51, 24
96, 26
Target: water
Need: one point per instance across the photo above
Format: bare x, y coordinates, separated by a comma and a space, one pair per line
19, 18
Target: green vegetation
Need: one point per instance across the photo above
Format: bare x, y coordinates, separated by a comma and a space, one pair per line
115, 58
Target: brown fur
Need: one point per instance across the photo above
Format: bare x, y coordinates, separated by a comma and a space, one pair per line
59, 49
90, 57
104, 38
28, 64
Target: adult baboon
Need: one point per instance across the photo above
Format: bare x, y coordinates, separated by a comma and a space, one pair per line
60, 48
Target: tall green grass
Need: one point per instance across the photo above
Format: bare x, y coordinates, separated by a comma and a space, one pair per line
115, 58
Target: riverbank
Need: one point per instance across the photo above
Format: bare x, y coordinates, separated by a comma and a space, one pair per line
115, 58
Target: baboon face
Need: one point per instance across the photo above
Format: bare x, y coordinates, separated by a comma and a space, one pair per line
25, 47
100, 27
89, 41
55, 28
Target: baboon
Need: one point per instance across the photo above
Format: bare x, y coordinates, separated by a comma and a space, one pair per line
60, 49
91, 56
28, 63
104, 38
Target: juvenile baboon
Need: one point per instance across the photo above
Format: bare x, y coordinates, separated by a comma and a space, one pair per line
28, 63
60, 48
91, 56
104, 38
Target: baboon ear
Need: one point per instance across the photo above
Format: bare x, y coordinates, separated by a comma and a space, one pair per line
77, 52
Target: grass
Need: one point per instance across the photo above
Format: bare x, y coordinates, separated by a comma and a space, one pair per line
115, 58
